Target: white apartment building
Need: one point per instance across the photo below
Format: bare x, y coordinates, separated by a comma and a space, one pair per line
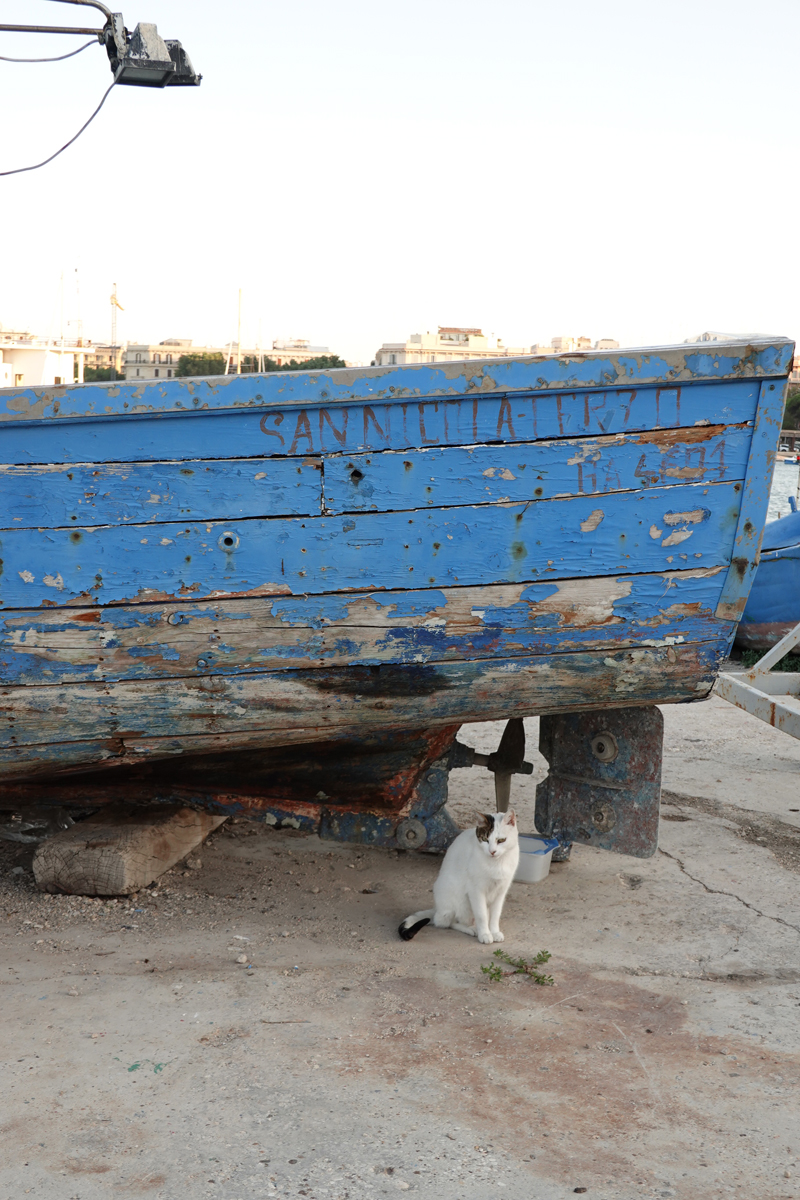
30, 361
104, 355
145, 361
571, 345
457, 343
711, 335
286, 349
449, 343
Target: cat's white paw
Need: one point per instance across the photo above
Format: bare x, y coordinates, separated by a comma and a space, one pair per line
497, 935
486, 938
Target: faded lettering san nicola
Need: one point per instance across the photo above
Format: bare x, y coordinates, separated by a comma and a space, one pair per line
487, 419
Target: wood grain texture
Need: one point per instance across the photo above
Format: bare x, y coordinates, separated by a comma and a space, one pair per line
449, 475
655, 530
47, 497
293, 706
432, 625
379, 425
119, 850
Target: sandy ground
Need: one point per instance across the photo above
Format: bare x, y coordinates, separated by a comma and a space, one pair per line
142, 1059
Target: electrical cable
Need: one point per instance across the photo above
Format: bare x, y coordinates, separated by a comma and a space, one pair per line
92, 4
35, 167
59, 58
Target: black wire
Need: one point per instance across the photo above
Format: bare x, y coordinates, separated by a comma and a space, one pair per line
60, 57
35, 167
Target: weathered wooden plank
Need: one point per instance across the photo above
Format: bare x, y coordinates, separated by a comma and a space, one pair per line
381, 425
159, 718
383, 627
286, 633
584, 536
120, 849
49, 496
52, 496
755, 501
738, 359
448, 476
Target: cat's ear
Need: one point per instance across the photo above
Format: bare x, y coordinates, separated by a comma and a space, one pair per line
484, 827
510, 817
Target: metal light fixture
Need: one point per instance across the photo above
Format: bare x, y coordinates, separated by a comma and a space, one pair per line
139, 59
145, 59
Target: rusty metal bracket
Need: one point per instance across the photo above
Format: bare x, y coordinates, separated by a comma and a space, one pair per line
604, 785
507, 760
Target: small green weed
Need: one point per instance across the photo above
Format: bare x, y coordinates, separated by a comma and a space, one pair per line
790, 663
521, 967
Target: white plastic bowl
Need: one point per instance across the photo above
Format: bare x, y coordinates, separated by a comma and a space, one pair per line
534, 858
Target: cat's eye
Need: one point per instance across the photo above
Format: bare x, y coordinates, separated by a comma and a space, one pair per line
499, 840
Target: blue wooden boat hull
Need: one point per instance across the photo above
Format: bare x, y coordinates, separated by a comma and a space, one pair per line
366, 559
773, 606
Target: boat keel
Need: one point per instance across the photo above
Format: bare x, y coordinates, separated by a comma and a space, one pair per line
387, 790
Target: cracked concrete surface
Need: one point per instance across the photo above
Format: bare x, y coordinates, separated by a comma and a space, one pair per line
721, 892
142, 1059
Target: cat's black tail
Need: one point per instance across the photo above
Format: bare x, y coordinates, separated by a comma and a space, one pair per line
414, 923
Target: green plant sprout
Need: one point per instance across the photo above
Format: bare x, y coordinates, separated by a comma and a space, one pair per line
521, 967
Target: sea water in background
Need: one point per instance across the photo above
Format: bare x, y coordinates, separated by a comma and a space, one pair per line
784, 485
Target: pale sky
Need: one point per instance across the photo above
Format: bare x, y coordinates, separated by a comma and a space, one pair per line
364, 170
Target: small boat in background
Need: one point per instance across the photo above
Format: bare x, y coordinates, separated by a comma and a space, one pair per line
773, 606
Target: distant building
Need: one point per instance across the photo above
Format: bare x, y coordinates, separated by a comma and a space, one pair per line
569, 345
286, 349
160, 360
711, 336
566, 345
454, 343
30, 361
449, 343
146, 361
101, 355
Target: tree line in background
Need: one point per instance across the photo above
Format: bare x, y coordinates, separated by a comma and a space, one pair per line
791, 417
214, 364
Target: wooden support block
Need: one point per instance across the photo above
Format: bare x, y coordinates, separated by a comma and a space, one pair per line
120, 850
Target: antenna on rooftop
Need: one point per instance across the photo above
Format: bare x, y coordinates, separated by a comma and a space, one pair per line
115, 304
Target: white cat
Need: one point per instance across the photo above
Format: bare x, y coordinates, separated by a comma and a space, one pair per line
473, 881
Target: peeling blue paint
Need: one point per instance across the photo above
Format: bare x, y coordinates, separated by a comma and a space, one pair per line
477, 545
389, 425
377, 549
679, 364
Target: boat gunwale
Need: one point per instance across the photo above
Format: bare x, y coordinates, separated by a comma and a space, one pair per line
676, 365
